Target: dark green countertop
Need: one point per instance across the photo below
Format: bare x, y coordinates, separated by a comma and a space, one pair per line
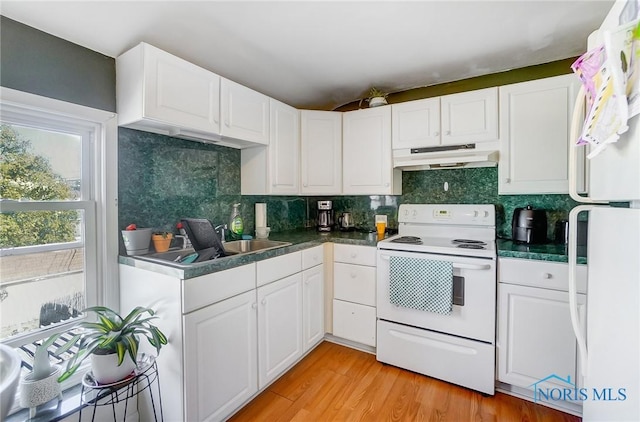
299, 239
546, 252
306, 238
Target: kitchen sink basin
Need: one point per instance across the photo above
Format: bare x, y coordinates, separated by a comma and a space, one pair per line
184, 258
252, 245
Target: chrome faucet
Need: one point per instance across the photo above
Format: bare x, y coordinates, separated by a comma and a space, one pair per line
186, 243
221, 230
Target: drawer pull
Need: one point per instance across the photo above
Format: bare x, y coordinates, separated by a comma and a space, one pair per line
547, 276
354, 275
354, 255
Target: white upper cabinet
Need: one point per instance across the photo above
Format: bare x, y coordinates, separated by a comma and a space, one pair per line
321, 152
535, 120
456, 119
284, 149
245, 113
416, 124
162, 93
469, 117
274, 169
366, 153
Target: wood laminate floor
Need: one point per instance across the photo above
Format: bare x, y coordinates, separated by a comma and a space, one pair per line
337, 383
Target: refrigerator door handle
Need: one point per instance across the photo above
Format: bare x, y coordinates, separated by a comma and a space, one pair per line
573, 290
574, 134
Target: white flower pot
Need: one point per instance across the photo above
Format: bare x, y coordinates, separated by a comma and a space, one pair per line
105, 368
377, 101
136, 242
33, 393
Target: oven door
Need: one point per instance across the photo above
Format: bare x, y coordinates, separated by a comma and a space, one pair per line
474, 297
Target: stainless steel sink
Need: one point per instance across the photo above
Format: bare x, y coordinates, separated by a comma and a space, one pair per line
176, 257
253, 245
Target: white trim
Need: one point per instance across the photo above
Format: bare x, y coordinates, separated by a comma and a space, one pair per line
104, 167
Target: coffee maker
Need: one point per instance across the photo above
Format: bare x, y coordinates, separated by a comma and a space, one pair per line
324, 222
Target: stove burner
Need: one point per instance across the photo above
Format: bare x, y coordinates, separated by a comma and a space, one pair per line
469, 242
412, 240
471, 245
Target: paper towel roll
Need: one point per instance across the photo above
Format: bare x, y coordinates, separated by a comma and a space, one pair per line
261, 214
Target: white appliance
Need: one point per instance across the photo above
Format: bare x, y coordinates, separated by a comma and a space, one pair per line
610, 350
458, 345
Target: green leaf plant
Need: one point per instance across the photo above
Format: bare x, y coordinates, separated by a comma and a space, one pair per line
112, 334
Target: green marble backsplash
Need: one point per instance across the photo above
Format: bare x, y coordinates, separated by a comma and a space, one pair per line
162, 179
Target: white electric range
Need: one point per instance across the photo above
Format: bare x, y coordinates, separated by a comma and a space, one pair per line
436, 294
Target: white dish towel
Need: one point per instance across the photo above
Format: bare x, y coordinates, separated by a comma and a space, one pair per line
422, 284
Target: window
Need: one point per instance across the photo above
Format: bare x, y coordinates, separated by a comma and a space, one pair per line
58, 215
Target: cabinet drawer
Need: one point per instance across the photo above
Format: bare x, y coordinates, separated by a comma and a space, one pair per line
548, 275
312, 257
354, 283
279, 267
354, 322
354, 254
210, 288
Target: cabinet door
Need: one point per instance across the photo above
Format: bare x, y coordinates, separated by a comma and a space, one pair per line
284, 149
415, 124
279, 327
354, 322
179, 93
321, 152
535, 338
245, 113
470, 117
535, 120
367, 163
220, 358
312, 306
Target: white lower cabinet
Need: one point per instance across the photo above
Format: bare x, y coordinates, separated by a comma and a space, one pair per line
535, 336
354, 293
312, 307
279, 327
220, 355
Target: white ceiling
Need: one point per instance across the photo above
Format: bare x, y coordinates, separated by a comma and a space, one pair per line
322, 54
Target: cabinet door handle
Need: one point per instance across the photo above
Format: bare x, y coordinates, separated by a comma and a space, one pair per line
507, 180
306, 282
354, 275
436, 133
254, 305
386, 184
448, 132
547, 276
263, 301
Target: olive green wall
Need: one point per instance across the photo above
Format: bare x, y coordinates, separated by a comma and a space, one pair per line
546, 70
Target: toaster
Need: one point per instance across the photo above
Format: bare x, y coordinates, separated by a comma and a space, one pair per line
529, 226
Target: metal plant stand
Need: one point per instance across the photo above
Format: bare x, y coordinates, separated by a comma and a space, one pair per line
144, 378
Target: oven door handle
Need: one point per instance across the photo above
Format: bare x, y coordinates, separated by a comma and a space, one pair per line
456, 265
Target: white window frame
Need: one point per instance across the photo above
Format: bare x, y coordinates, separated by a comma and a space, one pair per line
99, 199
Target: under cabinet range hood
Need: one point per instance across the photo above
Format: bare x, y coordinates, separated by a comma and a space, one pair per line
444, 157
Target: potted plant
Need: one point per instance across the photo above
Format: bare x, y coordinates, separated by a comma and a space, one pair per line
161, 241
136, 240
112, 342
41, 385
376, 97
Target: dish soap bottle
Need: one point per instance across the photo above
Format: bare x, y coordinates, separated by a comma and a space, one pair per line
236, 226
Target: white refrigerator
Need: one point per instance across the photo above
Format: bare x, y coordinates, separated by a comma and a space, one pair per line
609, 339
